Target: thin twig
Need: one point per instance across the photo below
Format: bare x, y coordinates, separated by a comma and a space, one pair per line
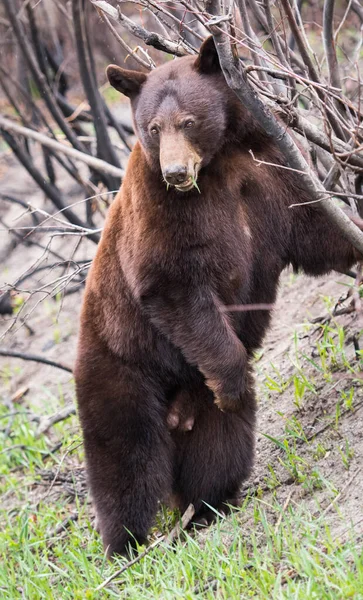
187, 516
149, 38
34, 358
344, 488
284, 508
147, 65
46, 423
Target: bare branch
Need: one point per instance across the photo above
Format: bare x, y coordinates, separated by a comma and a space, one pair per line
237, 81
358, 9
186, 518
34, 358
308, 62
105, 149
93, 162
329, 44
47, 422
147, 65
149, 38
39, 77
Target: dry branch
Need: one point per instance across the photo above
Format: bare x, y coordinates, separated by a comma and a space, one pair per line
237, 80
147, 65
304, 51
105, 149
47, 186
46, 423
93, 162
344, 488
148, 37
34, 358
39, 77
329, 43
175, 532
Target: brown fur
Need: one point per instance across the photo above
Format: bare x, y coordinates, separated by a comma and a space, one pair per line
155, 349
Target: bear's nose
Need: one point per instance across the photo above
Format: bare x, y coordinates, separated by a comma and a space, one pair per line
176, 174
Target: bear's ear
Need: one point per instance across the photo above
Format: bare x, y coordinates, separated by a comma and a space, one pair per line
208, 61
126, 82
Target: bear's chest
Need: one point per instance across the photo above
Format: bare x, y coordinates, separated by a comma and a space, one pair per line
219, 258
198, 241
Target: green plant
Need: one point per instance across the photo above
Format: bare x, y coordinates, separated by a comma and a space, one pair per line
346, 454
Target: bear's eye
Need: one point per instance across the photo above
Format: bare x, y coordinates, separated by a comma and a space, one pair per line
154, 130
188, 124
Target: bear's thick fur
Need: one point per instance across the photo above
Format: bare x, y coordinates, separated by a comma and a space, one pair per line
164, 385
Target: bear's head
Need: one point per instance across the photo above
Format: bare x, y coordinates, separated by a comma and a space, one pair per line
181, 112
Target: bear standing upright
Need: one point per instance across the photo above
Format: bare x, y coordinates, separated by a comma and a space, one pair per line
164, 383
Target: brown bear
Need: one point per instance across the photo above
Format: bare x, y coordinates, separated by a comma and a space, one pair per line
164, 381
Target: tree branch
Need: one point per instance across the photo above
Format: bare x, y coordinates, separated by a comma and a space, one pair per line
34, 358
95, 163
146, 65
47, 422
49, 189
148, 37
308, 62
236, 78
105, 149
39, 77
329, 44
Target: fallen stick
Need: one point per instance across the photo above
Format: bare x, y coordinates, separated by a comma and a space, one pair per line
344, 488
187, 516
34, 358
284, 508
47, 422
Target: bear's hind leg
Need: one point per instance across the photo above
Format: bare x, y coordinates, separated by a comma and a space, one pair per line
127, 447
215, 457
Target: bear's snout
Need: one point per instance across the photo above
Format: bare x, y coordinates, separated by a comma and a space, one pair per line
176, 174
179, 160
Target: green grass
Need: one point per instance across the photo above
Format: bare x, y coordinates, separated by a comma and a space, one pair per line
263, 550
281, 544
297, 558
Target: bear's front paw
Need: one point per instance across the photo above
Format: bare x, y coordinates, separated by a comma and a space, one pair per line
227, 403
229, 397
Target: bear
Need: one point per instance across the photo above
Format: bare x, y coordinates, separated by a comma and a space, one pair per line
202, 223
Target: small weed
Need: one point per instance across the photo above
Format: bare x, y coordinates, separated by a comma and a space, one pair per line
346, 454
348, 398
258, 355
337, 414
319, 452
7, 373
272, 481
313, 481
294, 429
296, 466
57, 335
277, 384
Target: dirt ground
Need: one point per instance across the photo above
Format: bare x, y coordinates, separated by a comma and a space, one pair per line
331, 446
